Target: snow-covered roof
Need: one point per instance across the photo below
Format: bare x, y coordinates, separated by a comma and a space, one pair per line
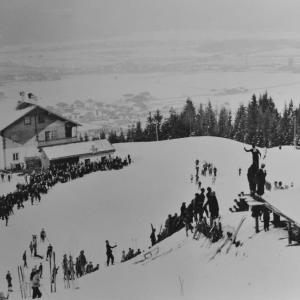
78, 149
13, 115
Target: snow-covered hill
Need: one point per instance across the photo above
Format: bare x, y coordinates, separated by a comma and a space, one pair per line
119, 205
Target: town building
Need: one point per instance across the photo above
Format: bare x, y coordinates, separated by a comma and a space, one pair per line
78, 104
30, 128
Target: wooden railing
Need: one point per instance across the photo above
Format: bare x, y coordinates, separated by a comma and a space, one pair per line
55, 142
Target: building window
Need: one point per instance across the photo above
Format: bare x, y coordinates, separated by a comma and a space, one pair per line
51, 135
15, 156
54, 135
41, 118
27, 120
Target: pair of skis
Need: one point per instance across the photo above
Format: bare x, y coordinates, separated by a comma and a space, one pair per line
52, 273
23, 287
230, 239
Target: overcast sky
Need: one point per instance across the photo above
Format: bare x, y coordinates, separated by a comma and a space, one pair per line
53, 20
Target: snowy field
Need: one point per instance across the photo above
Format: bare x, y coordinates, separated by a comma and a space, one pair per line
120, 205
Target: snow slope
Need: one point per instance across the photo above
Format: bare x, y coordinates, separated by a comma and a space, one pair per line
119, 206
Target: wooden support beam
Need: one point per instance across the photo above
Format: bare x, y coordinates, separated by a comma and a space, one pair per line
256, 224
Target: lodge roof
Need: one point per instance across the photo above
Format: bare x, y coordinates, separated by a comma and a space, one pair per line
24, 109
78, 149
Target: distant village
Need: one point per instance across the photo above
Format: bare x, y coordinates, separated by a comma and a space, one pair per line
97, 117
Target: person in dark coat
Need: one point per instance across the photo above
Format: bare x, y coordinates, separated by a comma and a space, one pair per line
25, 260
9, 279
109, 253
152, 236
213, 205
182, 210
190, 209
49, 251
261, 175
202, 207
82, 262
266, 218
255, 155
250, 175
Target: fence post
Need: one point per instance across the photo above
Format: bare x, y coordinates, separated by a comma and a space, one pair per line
290, 232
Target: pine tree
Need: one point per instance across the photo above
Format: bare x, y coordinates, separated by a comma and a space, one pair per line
149, 132
121, 137
199, 120
102, 135
222, 123
252, 122
188, 117
139, 136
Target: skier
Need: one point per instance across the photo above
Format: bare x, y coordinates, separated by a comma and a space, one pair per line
43, 235
35, 286
82, 262
109, 253
71, 268
240, 171
31, 248
192, 178
25, 259
9, 279
65, 266
215, 171
152, 236
6, 219
199, 185
250, 176
261, 175
54, 273
41, 270
129, 159
35, 253
34, 239
77, 267
266, 216
201, 205
255, 152
32, 274
213, 205
49, 252
123, 256
213, 181
188, 225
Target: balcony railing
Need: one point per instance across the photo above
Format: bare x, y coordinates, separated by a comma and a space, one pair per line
55, 142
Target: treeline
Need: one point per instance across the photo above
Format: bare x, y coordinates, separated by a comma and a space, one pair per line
259, 122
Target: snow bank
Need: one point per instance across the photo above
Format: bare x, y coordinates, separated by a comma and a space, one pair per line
119, 206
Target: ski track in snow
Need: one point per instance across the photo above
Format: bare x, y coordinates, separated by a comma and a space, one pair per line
119, 206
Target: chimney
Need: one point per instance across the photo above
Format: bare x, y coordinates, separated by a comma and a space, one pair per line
22, 94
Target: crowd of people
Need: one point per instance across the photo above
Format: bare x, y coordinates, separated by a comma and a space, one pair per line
240, 205
194, 211
39, 183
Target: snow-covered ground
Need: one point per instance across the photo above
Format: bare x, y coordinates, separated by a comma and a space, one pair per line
119, 205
